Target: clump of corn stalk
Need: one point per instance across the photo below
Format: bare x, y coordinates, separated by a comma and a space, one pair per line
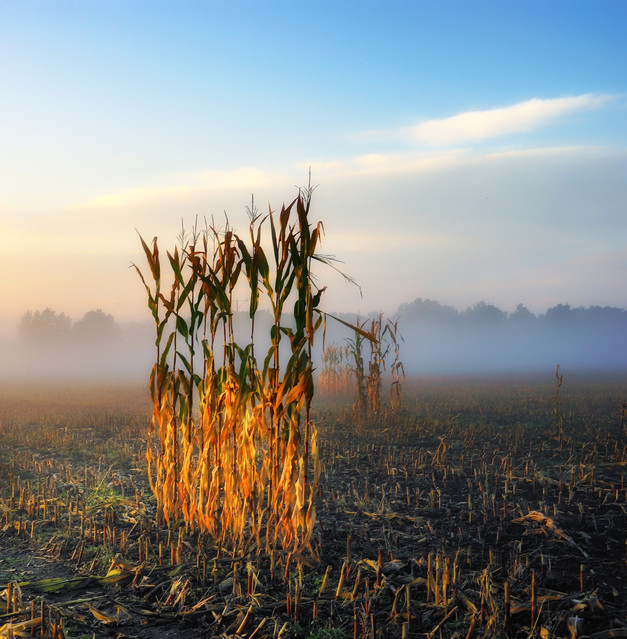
336, 375
233, 451
384, 348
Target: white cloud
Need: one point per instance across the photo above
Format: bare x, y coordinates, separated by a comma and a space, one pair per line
481, 125
473, 126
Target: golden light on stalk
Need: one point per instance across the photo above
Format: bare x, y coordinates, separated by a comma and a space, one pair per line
233, 450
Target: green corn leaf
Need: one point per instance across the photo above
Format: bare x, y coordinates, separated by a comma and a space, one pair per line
243, 251
176, 267
114, 576
166, 350
160, 328
184, 294
275, 241
185, 362
315, 300
55, 583
285, 216
181, 327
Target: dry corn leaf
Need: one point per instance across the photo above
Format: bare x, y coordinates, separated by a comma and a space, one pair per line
467, 603
549, 524
372, 564
102, 616
517, 606
123, 565
407, 579
71, 614
17, 629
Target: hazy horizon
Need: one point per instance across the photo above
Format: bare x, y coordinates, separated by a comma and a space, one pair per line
462, 151
433, 339
9, 328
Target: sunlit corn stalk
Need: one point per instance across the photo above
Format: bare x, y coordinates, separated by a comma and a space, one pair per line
160, 378
233, 439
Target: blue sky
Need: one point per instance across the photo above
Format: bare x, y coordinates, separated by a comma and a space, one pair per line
464, 151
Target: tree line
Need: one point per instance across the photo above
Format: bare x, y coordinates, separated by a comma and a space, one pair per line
52, 346
439, 338
484, 314
434, 338
50, 327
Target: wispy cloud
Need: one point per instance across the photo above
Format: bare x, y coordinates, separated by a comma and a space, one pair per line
456, 133
473, 126
384, 164
186, 186
403, 163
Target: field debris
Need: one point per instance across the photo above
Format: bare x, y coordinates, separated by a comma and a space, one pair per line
550, 525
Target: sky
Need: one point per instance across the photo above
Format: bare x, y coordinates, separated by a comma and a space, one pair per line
462, 151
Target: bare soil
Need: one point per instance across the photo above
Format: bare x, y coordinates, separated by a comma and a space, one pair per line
425, 520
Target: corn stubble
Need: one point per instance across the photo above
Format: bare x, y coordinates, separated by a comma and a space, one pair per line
233, 449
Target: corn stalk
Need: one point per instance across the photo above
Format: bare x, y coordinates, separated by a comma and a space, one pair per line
233, 450
368, 374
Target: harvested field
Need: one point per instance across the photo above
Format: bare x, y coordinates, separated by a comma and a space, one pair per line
486, 507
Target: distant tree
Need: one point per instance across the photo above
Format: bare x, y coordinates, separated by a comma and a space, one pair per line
44, 327
428, 311
521, 314
97, 326
560, 313
484, 314
604, 315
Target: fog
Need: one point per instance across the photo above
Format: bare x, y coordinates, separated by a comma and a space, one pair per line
485, 339
434, 339
128, 358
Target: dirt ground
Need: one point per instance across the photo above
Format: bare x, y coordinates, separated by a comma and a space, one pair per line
468, 515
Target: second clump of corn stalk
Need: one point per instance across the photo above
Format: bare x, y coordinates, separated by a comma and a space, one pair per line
368, 374
233, 450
